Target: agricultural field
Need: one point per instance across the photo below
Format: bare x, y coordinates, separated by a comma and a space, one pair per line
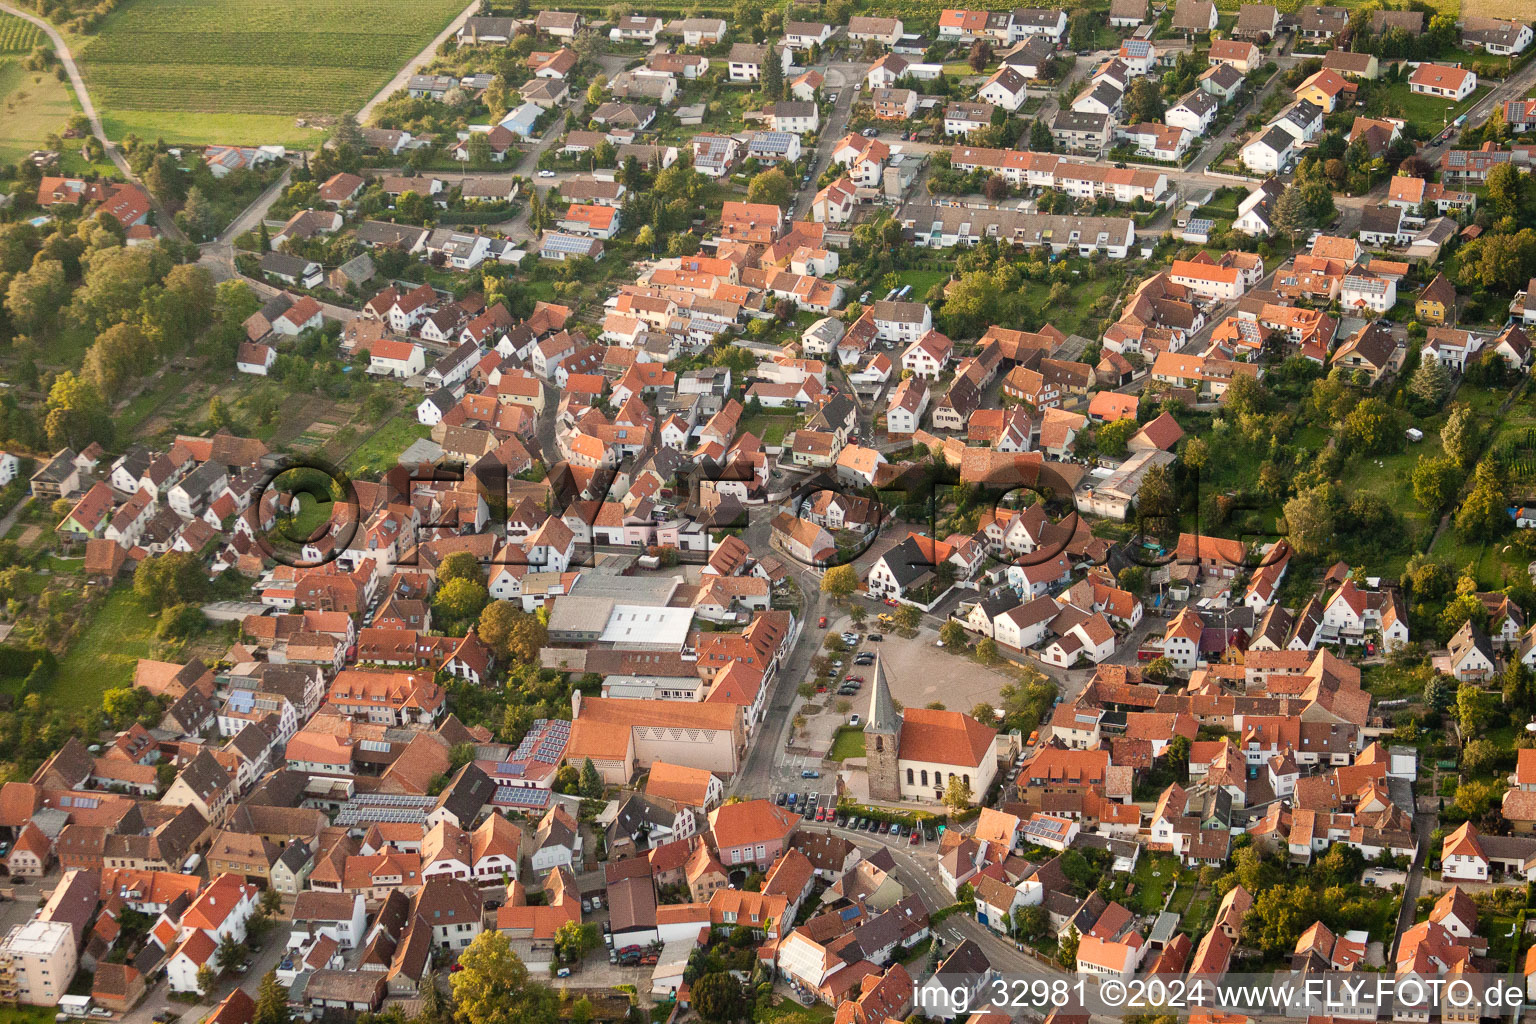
203, 71
17, 36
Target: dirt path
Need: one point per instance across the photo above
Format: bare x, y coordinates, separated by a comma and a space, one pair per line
162, 216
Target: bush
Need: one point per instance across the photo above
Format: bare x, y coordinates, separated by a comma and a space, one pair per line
181, 622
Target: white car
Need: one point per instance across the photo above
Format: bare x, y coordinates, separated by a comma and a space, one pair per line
546, 174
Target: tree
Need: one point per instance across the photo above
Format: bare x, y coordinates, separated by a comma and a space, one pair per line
1040, 138
205, 981
839, 581
1482, 514
173, 578
1474, 707
980, 55
595, 90
591, 782
719, 998
460, 600
952, 634
1143, 102
229, 954
908, 617
1030, 922
511, 632
198, 215
35, 297
771, 187
1438, 691
461, 565
773, 72
573, 940
1291, 212
1309, 519
1479, 756
1066, 948
1112, 437
492, 986
1279, 915
1507, 190
1459, 435
986, 650
1435, 480
1371, 427
1431, 382
271, 1001
957, 793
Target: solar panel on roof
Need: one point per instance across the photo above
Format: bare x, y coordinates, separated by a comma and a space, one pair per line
521, 796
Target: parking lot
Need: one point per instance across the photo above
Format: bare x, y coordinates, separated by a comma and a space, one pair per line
920, 673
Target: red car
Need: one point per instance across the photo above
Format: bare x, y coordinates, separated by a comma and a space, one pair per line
913, 840
854, 679
822, 622
821, 814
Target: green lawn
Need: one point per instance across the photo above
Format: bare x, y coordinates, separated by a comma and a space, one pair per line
377, 454
772, 424
1430, 113
33, 105
921, 281
229, 71
1153, 877
849, 743
106, 653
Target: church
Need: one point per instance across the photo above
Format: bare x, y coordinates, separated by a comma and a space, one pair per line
913, 753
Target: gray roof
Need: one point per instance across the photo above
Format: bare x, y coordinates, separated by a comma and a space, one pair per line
377, 232
288, 266
883, 716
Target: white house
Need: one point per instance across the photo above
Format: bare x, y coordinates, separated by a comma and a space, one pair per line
903, 322
400, 359
1445, 82
1007, 88
1194, 113
1462, 858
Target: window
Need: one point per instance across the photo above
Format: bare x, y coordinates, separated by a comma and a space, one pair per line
925, 777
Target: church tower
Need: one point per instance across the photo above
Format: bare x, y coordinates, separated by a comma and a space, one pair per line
882, 741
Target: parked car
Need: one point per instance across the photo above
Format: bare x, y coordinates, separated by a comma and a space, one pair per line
916, 835
810, 773
854, 721
781, 799
875, 638
546, 174
822, 622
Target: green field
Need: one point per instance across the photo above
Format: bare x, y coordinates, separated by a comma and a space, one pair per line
33, 105
106, 653
223, 71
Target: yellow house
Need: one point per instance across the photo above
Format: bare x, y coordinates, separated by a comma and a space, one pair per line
1327, 89
1436, 304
